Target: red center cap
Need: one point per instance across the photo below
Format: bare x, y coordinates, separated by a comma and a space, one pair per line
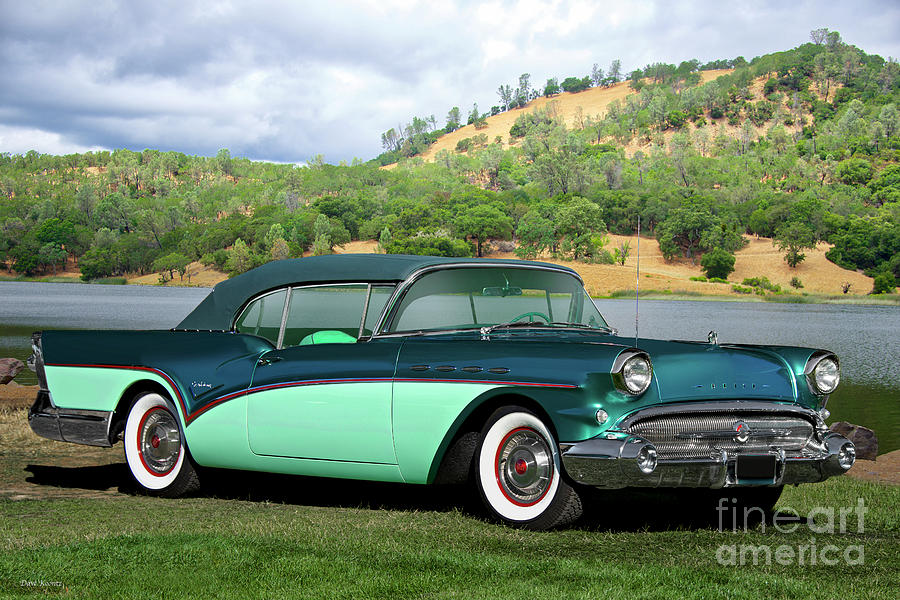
521, 466
154, 441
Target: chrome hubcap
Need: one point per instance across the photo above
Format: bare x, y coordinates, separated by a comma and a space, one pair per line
524, 466
160, 441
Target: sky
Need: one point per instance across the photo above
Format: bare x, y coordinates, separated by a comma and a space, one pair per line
285, 81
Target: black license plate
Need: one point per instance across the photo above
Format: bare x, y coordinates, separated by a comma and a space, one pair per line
755, 468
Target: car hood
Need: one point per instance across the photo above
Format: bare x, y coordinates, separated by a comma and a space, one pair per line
699, 371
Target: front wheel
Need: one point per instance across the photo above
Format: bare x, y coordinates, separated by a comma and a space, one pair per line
517, 472
154, 448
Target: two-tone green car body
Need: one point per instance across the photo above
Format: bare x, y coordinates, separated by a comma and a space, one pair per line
426, 370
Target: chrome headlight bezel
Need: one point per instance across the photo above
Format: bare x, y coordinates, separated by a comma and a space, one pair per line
814, 373
628, 373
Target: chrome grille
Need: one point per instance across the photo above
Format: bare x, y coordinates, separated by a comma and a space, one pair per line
703, 435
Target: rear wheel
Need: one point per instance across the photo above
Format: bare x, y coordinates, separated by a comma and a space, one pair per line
154, 448
517, 472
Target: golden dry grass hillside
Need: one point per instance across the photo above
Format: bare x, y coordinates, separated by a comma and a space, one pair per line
571, 106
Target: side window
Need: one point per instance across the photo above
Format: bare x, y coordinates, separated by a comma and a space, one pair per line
377, 300
325, 314
262, 317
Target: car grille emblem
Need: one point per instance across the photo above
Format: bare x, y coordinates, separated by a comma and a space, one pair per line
742, 432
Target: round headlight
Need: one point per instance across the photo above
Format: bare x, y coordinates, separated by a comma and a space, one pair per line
826, 375
636, 373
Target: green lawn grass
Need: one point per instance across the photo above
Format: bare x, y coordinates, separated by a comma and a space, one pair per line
323, 539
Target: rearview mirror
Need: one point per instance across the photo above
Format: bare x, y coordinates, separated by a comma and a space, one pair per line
501, 291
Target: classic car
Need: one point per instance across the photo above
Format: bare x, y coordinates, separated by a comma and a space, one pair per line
423, 370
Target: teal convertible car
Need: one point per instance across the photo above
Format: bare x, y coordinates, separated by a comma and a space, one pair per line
427, 370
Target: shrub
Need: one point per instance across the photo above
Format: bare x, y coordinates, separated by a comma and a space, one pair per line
463, 145
796, 283
717, 280
885, 283
739, 289
430, 246
517, 130
717, 263
602, 257
762, 283
699, 278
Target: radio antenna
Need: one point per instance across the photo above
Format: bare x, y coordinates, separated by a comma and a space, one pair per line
637, 285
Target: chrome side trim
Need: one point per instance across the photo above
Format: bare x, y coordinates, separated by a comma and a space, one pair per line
89, 427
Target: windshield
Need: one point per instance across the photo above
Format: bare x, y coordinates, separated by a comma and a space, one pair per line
466, 298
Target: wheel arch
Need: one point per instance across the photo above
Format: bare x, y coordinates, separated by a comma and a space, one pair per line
447, 465
141, 386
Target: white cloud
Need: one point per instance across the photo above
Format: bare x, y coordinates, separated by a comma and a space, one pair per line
20, 140
284, 80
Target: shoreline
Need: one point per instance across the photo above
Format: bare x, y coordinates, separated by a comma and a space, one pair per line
673, 295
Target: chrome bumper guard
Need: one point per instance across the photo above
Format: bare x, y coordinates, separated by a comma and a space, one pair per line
89, 427
617, 463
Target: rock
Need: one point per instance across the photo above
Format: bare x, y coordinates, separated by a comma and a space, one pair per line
9, 368
863, 438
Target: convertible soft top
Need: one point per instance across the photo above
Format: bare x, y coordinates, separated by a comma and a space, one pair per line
218, 309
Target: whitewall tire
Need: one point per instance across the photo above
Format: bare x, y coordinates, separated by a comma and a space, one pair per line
517, 472
154, 448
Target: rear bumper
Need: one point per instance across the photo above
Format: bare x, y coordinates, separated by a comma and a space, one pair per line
89, 427
614, 463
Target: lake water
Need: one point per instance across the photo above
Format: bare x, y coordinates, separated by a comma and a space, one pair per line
865, 338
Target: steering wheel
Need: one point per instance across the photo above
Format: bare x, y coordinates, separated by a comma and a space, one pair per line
531, 316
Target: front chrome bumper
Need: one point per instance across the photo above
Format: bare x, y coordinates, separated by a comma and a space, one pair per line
90, 427
614, 463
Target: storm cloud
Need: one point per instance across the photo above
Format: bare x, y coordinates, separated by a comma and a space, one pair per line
284, 81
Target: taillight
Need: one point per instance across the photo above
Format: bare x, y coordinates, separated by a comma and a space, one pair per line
36, 360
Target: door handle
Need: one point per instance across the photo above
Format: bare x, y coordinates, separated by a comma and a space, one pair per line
262, 362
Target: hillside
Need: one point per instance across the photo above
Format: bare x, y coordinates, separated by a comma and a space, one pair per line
591, 102
800, 146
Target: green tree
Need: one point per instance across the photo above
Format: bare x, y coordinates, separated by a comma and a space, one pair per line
453, 119
579, 223
322, 244
614, 73
52, 254
884, 283
717, 263
534, 234
240, 259
795, 237
279, 249
174, 261
622, 252
482, 222
384, 239
684, 231
53, 230
551, 88
854, 171
276, 232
